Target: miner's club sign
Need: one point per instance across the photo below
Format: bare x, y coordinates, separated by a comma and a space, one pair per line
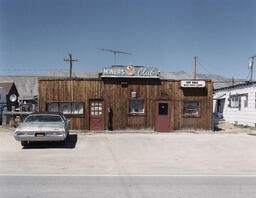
192, 84
130, 72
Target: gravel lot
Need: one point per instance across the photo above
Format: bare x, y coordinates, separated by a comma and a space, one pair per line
133, 153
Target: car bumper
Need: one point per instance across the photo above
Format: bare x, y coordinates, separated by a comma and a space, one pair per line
40, 138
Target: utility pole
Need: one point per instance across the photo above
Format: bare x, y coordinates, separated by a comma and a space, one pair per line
70, 60
251, 66
195, 67
233, 81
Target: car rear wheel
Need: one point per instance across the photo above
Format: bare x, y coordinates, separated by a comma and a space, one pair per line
24, 143
64, 142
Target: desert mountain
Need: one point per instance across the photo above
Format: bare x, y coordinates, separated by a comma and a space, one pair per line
27, 84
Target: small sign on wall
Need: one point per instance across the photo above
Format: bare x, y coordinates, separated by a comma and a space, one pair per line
133, 94
192, 84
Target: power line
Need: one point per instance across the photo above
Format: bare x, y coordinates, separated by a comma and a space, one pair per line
199, 62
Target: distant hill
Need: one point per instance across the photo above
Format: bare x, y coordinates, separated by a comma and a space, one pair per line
27, 84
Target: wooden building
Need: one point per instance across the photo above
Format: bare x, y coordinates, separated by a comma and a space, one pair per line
12, 95
236, 104
129, 98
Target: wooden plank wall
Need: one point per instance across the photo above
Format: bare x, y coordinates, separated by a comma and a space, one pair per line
116, 95
204, 96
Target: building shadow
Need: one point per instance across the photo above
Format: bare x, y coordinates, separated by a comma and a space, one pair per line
70, 144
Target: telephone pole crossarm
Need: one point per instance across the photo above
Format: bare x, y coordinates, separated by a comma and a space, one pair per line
70, 60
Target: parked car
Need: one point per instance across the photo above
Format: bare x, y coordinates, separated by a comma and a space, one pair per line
43, 127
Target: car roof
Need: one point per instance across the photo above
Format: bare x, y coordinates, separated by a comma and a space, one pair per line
49, 113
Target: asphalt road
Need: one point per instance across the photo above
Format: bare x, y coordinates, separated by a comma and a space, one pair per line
23, 186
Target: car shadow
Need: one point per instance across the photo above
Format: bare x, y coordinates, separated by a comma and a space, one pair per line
70, 144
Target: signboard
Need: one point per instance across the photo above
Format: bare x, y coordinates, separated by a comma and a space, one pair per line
192, 84
130, 72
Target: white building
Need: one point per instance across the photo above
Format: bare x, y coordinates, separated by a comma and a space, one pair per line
237, 104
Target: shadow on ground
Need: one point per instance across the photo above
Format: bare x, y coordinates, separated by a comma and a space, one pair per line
71, 143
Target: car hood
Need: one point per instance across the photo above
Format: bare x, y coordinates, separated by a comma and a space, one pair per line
41, 126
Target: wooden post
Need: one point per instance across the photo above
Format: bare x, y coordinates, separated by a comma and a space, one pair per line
195, 68
70, 64
251, 68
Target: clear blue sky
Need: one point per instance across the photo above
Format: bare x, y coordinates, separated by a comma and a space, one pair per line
36, 35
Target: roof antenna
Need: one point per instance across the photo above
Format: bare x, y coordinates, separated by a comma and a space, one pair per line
114, 52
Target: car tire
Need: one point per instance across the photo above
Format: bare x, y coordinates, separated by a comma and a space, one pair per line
64, 142
24, 143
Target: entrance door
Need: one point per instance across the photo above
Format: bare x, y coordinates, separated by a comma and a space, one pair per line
221, 104
96, 115
163, 116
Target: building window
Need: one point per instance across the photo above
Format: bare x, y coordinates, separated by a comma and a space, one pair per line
77, 108
66, 107
96, 108
163, 109
235, 101
52, 107
136, 106
191, 108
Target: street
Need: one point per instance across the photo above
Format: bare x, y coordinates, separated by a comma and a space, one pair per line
130, 165
52, 186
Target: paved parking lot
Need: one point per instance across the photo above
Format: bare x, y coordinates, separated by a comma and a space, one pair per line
133, 153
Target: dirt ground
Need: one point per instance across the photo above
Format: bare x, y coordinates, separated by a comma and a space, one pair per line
133, 153
227, 127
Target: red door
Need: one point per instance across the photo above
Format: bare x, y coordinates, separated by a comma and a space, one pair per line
96, 115
163, 116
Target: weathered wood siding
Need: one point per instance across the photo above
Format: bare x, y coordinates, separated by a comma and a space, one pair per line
116, 94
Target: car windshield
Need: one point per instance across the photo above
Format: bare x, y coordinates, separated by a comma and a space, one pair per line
44, 118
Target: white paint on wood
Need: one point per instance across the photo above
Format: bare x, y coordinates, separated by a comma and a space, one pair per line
243, 115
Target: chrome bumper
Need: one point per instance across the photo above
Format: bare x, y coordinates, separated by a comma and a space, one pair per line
40, 138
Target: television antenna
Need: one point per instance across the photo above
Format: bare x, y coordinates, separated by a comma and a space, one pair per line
115, 52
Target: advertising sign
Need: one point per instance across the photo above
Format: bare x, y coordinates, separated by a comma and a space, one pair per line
192, 84
130, 72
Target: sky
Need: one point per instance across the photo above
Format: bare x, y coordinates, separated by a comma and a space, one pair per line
36, 35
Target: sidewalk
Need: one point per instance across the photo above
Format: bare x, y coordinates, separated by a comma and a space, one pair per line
224, 128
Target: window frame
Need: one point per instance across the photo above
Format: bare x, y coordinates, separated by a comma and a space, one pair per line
71, 104
232, 101
137, 113
163, 114
192, 115
240, 97
98, 101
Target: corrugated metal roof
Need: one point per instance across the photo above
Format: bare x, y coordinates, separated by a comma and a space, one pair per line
7, 86
236, 86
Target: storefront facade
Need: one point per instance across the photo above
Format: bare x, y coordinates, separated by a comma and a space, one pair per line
124, 98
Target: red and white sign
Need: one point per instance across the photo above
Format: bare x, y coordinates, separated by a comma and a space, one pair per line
192, 84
